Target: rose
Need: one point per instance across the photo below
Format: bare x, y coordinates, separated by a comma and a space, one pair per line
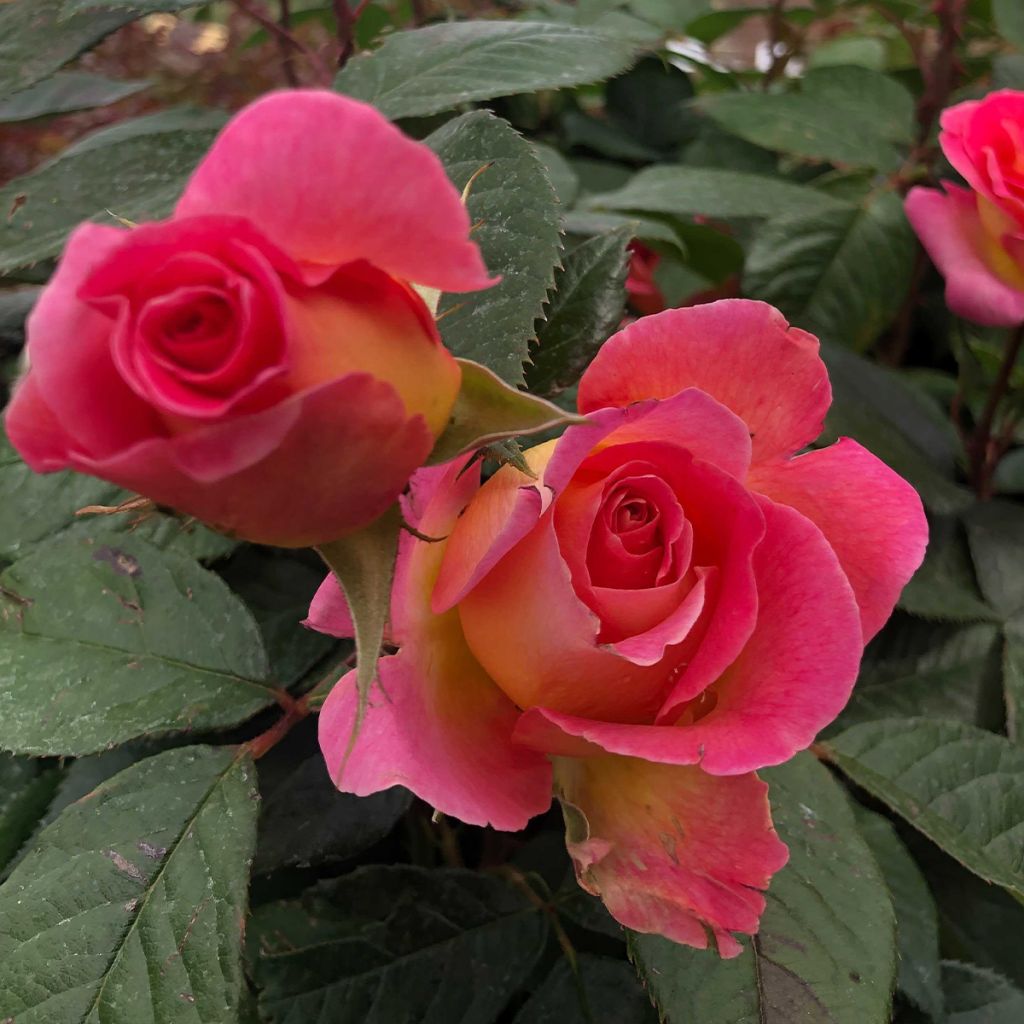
976, 238
259, 360
673, 602
645, 295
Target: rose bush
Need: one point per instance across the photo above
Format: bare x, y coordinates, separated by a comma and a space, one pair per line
976, 235
673, 600
260, 360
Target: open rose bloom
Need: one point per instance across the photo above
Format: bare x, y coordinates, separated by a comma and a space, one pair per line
976, 236
260, 360
675, 599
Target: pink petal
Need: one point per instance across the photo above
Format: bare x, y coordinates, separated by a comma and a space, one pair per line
511, 502
670, 849
329, 612
69, 351
34, 429
262, 476
742, 353
330, 180
792, 678
950, 229
871, 516
538, 641
437, 724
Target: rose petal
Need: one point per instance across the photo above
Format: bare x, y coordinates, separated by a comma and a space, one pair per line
742, 353
330, 180
950, 229
438, 725
263, 476
792, 678
538, 641
670, 849
871, 516
69, 352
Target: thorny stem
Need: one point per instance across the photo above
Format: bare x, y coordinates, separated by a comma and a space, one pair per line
294, 712
983, 453
287, 53
286, 37
941, 73
345, 19
777, 35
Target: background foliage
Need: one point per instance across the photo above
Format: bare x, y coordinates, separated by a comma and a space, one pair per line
157, 866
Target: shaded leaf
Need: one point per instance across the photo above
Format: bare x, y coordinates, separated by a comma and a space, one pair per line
131, 905
137, 177
66, 91
844, 115
102, 644
931, 670
26, 789
516, 211
38, 36
995, 533
917, 921
584, 309
976, 995
396, 945
961, 786
428, 70
489, 410
713, 193
825, 950
841, 273
1009, 18
305, 820
605, 991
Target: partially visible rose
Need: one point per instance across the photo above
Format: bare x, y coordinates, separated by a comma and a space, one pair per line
675, 600
976, 236
642, 290
260, 360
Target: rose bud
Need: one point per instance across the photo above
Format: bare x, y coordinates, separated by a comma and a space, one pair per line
260, 360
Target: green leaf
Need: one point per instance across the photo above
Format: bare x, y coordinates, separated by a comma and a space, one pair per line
489, 410
844, 115
995, 533
428, 70
136, 177
711, 192
961, 786
396, 944
66, 91
1009, 18
131, 905
825, 949
917, 921
841, 274
944, 587
304, 820
102, 644
975, 995
515, 207
37, 508
1013, 675
38, 36
277, 586
584, 309
26, 789
931, 670
889, 416
604, 991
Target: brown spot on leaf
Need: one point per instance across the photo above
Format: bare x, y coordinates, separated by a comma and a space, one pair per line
155, 852
120, 561
124, 865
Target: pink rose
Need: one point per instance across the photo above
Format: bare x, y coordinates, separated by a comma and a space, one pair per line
259, 360
976, 238
674, 602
